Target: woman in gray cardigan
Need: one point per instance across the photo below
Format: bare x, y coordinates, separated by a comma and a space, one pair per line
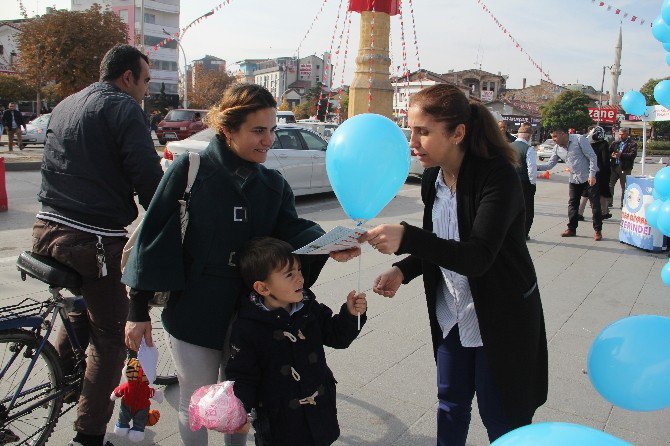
483, 302
234, 198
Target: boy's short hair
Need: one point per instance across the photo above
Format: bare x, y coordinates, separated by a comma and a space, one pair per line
263, 255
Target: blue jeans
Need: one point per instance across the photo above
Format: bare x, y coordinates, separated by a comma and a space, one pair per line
139, 418
462, 372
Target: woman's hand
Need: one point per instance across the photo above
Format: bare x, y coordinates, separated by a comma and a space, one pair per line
388, 282
346, 255
134, 333
384, 238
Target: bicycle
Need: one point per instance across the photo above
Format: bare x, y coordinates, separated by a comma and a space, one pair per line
33, 385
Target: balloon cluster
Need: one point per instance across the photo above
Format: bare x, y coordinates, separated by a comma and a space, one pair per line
658, 212
634, 102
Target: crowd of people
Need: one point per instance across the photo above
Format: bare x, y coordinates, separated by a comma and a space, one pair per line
240, 305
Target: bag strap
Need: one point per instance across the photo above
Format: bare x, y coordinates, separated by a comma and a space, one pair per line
193, 166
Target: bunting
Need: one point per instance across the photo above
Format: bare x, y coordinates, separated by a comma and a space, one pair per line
309, 30
181, 32
516, 43
625, 16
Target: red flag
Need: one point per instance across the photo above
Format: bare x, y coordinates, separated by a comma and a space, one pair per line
633, 19
617, 11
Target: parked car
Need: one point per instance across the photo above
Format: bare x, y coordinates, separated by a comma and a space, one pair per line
298, 153
36, 130
179, 124
285, 117
415, 167
546, 151
325, 129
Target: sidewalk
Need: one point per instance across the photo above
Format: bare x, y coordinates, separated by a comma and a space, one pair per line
386, 390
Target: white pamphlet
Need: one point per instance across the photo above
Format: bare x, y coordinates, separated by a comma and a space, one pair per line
337, 239
148, 358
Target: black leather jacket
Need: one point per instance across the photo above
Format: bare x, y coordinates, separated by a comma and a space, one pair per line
98, 152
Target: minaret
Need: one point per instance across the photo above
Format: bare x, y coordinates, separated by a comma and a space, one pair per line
372, 75
616, 72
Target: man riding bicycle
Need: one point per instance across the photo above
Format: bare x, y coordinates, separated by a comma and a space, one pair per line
98, 152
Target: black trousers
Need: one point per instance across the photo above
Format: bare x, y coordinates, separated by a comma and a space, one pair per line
573, 205
529, 200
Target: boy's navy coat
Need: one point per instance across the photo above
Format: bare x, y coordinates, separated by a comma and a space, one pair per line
277, 360
232, 201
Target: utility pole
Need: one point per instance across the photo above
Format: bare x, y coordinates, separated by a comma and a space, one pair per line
142, 25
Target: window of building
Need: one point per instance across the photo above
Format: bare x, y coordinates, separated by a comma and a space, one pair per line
151, 41
123, 14
149, 18
492, 86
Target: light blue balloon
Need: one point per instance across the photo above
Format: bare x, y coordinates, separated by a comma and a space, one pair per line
651, 213
663, 218
665, 274
665, 11
662, 182
662, 93
656, 195
666, 46
634, 103
660, 30
367, 161
629, 363
557, 434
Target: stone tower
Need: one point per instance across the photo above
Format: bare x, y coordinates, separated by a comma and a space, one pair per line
373, 61
616, 71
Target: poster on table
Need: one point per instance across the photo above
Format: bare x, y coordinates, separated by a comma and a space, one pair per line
634, 229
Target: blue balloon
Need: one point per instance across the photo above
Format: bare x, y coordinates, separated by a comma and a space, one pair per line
629, 363
665, 274
662, 182
367, 161
666, 46
665, 11
663, 218
557, 434
651, 213
660, 30
656, 195
662, 93
634, 103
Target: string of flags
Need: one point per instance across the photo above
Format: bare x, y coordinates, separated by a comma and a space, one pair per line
514, 41
181, 32
309, 30
624, 15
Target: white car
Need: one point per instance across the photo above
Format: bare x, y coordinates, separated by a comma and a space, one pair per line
298, 154
36, 130
415, 167
546, 151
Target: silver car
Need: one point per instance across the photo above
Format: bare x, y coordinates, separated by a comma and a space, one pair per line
298, 154
546, 151
36, 130
415, 167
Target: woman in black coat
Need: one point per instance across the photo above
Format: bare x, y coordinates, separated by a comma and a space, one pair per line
481, 289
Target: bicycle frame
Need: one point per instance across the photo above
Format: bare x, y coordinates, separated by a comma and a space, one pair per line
44, 319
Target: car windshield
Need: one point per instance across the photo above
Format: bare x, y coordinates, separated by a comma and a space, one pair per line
205, 135
42, 120
408, 133
179, 115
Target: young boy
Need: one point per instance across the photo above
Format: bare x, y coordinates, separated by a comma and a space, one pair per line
277, 358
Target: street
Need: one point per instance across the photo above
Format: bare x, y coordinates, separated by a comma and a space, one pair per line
386, 390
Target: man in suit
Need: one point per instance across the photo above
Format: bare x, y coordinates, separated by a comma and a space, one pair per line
13, 121
623, 153
527, 171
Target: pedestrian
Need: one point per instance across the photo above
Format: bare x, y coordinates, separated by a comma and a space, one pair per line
98, 153
623, 153
596, 137
234, 199
582, 164
527, 171
2, 125
502, 125
12, 119
284, 378
483, 300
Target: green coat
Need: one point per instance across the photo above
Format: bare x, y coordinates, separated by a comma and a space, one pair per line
232, 201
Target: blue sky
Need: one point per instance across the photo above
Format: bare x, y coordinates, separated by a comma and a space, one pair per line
571, 39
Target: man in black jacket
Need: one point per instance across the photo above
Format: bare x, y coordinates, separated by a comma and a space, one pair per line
98, 153
13, 121
623, 153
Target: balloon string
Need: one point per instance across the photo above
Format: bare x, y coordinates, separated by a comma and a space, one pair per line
359, 287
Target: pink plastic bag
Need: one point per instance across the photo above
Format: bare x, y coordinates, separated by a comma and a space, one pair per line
216, 407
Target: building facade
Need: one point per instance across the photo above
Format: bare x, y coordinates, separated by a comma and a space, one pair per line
161, 18
485, 86
9, 30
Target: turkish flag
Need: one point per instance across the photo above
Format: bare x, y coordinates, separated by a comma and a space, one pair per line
390, 7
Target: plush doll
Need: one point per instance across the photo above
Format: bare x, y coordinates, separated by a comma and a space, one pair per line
135, 394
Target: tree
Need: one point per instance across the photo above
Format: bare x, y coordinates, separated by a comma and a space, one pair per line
648, 91
568, 110
209, 87
66, 47
15, 88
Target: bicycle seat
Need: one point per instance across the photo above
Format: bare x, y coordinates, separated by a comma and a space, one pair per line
48, 270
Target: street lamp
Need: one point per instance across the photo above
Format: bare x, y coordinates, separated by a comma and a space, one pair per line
602, 86
178, 40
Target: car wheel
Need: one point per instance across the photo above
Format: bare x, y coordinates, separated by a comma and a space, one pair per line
162, 141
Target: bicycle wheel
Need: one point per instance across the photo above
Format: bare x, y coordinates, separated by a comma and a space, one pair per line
166, 373
17, 348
